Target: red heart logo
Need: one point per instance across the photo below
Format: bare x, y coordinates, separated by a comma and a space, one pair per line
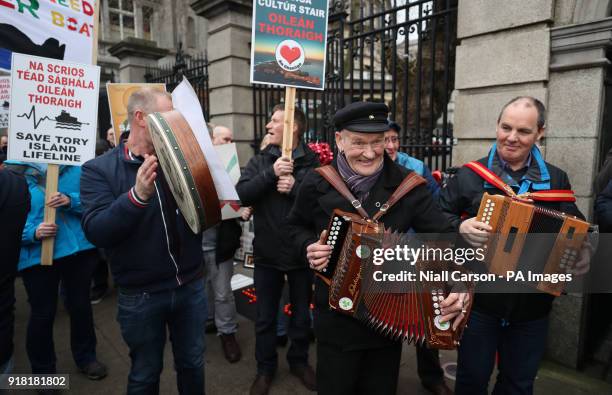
290, 54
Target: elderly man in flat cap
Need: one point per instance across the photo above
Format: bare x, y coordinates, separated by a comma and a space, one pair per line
352, 358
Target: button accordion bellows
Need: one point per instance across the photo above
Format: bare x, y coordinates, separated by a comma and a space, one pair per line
402, 310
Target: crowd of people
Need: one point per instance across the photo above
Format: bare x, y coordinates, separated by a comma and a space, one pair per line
117, 212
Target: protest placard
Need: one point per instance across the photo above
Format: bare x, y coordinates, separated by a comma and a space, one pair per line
54, 111
229, 157
5, 99
53, 29
288, 44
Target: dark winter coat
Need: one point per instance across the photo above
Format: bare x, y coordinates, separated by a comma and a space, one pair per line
150, 247
257, 188
14, 207
460, 199
310, 215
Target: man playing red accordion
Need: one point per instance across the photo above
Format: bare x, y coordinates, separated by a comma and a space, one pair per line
352, 358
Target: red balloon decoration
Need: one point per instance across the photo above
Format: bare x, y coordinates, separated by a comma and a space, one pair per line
324, 151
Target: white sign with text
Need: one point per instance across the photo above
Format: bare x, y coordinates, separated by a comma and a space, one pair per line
54, 109
5, 99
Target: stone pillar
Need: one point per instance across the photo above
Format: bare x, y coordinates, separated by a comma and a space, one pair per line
135, 55
555, 51
504, 52
229, 54
576, 103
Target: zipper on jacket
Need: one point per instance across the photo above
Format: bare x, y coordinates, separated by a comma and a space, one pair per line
161, 207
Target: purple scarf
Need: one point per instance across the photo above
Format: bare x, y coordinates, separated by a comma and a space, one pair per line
358, 184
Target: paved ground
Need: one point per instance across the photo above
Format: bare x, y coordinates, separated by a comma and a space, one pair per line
228, 379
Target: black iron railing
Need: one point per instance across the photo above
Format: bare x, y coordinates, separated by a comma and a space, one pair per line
398, 52
194, 68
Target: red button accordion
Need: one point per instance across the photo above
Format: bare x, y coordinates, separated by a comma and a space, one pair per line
406, 310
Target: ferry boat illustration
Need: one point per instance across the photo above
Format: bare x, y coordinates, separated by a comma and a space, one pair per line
67, 121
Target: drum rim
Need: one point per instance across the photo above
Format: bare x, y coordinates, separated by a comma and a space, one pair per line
185, 169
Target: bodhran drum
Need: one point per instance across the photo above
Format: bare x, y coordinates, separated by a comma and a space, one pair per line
185, 169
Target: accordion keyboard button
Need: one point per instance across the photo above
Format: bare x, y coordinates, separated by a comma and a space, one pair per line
435, 298
436, 305
437, 312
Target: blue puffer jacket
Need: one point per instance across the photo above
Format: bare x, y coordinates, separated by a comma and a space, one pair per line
70, 238
419, 167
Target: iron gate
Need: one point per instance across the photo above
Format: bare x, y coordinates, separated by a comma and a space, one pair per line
194, 68
400, 52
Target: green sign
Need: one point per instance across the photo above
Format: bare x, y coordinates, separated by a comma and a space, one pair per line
289, 43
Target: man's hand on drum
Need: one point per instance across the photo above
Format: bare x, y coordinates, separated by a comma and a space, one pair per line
318, 253
475, 232
285, 183
455, 307
283, 166
145, 178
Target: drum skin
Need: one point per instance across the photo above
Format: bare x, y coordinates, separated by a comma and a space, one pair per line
186, 169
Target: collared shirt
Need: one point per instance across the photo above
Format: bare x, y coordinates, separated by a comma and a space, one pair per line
533, 175
507, 167
517, 174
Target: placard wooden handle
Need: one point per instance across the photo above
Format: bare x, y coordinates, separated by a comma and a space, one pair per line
46, 257
288, 129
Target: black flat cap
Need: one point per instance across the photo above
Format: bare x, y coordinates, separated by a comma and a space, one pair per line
364, 117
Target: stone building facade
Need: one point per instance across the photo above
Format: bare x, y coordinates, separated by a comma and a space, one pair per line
135, 34
555, 50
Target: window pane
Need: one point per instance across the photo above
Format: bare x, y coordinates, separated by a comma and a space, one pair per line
114, 18
128, 26
147, 20
113, 3
127, 5
114, 28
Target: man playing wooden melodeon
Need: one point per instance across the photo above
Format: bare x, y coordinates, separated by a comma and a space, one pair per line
512, 325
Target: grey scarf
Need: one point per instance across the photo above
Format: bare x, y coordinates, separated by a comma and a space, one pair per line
358, 184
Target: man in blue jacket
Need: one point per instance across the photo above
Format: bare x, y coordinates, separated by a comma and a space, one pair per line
155, 259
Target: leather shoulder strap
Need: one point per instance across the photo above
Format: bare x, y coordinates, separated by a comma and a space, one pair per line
331, 175
411, 181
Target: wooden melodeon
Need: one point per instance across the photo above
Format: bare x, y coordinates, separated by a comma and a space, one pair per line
510, 249
406, 310
185, 169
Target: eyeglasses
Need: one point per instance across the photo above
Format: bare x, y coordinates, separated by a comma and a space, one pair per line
362, 145
391, 139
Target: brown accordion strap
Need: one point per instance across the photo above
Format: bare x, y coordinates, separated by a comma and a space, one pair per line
332, 176
326, 280
411, 181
